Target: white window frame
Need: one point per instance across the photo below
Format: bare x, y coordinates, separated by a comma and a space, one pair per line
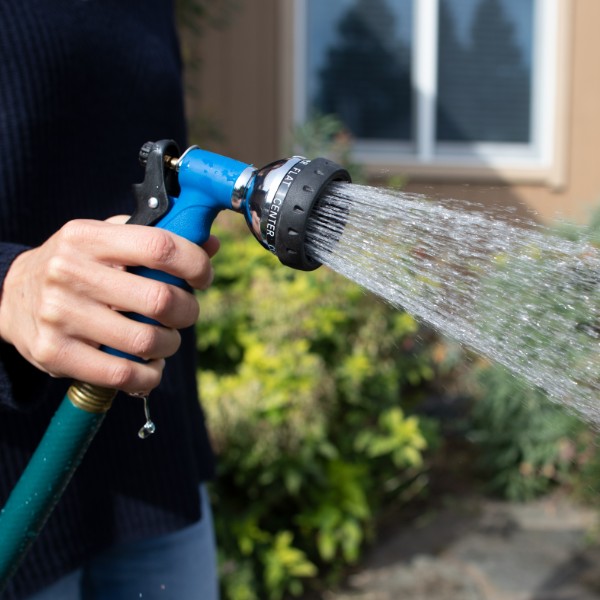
530, 161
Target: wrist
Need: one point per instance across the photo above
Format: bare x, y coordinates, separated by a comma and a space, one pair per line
9, 284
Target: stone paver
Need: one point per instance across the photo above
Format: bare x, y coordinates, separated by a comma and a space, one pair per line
482, 550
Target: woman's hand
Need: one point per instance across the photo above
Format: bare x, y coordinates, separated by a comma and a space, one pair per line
60, 302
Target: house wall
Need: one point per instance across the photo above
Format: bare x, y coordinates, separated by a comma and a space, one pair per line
580, 193
242, 87
236, 83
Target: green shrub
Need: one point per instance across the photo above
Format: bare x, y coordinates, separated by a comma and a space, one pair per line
302, 375
526, 443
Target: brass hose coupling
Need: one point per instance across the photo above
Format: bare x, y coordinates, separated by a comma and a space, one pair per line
91, 398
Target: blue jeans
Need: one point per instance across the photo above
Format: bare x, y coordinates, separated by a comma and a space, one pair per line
180, 565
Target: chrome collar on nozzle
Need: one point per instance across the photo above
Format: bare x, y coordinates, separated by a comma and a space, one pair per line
280, 199
276, 200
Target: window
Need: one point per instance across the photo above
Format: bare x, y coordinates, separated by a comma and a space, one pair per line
432, 82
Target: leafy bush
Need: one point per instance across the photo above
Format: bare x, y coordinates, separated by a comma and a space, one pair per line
526, 443
301, 377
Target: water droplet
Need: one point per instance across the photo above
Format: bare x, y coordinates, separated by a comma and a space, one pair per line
148, 428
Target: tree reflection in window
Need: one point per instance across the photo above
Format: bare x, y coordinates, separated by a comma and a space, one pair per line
365, 79
360, 68
484, 81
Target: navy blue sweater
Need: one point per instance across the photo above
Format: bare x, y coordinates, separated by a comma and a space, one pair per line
83, 83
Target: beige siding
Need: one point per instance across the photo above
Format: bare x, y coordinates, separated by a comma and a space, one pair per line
581, 192
578, 192
241, 87
235, 85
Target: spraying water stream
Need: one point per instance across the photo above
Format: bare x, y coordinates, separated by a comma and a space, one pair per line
514, 292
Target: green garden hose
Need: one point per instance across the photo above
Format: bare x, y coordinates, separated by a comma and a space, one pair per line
50, 469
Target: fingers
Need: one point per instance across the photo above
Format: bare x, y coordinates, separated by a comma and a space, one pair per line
99, 368
123, 291
70, 357
138, 245
211, 246
101, 326
63, 300
169, 305
67, 340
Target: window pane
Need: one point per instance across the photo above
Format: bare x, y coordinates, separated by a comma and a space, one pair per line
484, 71
359, 65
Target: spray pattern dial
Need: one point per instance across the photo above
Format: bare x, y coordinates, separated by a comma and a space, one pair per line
284, 194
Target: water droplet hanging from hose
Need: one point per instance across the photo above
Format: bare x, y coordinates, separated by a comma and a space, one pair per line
148, 428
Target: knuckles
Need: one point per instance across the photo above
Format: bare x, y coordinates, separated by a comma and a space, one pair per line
145, 342
46, 350
51, 310
188, 261
160, 247
59, 268
160, 301
123, 375
151, 342
170, 306
73, 232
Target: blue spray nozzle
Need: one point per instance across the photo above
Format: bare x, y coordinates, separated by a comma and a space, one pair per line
275, 200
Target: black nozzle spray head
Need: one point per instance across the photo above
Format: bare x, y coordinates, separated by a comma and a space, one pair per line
281, 200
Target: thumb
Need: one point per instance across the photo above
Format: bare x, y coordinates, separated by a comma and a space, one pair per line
118, 219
